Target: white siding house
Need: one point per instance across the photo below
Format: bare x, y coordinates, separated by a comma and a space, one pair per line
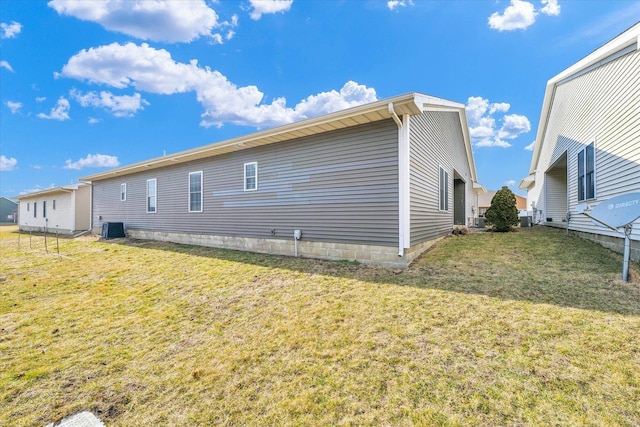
587, 148
66, 209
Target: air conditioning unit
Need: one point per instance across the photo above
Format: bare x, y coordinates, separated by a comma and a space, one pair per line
112, 230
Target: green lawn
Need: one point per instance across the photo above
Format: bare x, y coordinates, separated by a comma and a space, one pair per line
526, 328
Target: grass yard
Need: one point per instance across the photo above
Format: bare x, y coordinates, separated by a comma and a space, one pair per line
526, 328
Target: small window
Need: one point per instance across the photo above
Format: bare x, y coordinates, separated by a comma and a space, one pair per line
151, 195
44, 209
195, 192
123, 192
28, 206
586, 173
250, 176
54, 204
35, 209
444, 189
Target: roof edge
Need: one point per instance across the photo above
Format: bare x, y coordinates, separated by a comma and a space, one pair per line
63, 189
412, 103
618, 43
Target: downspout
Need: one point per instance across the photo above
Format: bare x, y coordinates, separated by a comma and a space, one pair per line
90, 207
394, 116
403, 183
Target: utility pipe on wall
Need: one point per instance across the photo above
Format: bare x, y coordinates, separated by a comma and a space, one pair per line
297, 235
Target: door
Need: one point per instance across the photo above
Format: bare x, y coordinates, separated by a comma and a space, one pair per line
459, 202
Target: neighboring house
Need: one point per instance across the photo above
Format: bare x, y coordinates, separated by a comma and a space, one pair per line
587, 148
8, 210
376, 183
66, 209
484, 202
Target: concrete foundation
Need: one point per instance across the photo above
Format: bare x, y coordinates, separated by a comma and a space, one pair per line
35, 229
386, 256
614, 243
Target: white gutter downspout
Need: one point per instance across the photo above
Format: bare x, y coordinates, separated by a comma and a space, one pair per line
403, 179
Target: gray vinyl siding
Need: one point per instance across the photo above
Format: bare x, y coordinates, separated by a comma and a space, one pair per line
601, 105
436, 140
339, 186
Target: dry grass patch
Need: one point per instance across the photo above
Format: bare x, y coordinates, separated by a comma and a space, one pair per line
486, 329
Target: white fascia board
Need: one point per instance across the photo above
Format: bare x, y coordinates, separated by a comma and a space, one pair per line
624, 40
64, 189
478, 188
411, 103
404, 104
467, 143
527, 182
427, 101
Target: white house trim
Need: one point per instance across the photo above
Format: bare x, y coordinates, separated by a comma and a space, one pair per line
404, 182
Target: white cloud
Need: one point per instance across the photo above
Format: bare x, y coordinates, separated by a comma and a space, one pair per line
514, 125
551, 7
517, 16
217, 39
119, 106
350, 95
5, 64
93, 120
93, 161
226, 26
14, 106
502, 107
510, 183
59, 112
521, 14
41, 98
154, 71
261, 7
394, 4
530, 146
7, 163
9, 31
482, 123
159, 20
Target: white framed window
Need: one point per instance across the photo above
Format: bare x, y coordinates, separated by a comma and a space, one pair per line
444, 189
587, 173
251, 176
44, 209
152, 189
28, 206
54, 204
195, 191
35, 209
123, 192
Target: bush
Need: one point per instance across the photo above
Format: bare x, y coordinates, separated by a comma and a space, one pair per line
503, 213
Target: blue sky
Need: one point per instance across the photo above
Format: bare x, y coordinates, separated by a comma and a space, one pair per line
89, 85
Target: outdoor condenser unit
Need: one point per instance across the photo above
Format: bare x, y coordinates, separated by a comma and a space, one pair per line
112, 230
